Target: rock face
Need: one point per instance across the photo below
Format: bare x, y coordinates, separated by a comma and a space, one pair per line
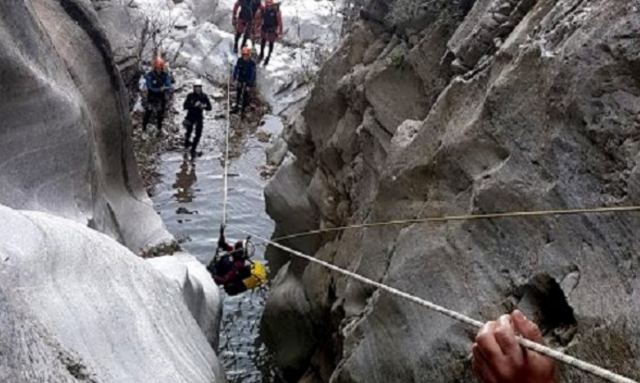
77, 306
201, 295
64, 141
450, 107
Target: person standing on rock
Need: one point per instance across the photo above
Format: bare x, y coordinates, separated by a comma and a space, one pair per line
245, 20
499, 358
244, 76
158, 89
195, 105
272, 28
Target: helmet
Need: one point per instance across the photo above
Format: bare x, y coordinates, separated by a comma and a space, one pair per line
246, 51
158, 63
197, 83
239, 245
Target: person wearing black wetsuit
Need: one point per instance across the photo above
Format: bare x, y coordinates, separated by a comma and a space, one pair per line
195, 105
272, 28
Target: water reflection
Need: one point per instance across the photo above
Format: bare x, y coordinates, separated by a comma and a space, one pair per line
185, 179
189, 199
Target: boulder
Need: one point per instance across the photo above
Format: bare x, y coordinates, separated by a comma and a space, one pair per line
201, 295
91, 310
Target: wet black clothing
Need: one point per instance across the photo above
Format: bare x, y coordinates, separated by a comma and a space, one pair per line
195, 113
231, 269
245, 72
195, 118
157, 105
270, 20
249, 9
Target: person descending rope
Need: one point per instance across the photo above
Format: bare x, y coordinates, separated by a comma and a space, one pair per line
244, 21
244, 76
195, 105
158, 90
272, 28
498, 358
233, 267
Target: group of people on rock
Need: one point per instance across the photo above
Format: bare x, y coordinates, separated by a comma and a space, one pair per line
253, 20
257, 22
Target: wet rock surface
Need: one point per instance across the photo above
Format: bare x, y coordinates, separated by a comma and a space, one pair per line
78, 306
512, 105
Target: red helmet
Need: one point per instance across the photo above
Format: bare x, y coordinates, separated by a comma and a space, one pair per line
158, 63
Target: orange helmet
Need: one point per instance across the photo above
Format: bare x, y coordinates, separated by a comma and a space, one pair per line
158, 63
246, 51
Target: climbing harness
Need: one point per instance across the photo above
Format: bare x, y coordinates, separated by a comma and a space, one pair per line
468, 217
544, 350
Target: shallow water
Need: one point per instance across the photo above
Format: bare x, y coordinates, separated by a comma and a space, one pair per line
188, 196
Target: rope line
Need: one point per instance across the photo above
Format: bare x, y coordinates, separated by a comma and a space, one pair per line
226, 155
541, 349
467, 217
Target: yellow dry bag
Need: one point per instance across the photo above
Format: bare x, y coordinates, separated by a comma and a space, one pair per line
258, 276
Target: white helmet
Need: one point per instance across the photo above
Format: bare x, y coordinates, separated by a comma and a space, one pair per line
197, 83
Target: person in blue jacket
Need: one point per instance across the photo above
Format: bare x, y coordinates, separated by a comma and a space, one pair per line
244, 76
159, 87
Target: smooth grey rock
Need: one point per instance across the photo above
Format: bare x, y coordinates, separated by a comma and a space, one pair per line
78, 292
277, 152
65, 134
200, 293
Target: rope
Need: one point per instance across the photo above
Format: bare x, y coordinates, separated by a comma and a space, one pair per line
544, 350
226, 155
467, 217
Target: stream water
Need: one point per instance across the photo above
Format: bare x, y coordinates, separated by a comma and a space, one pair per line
188, 195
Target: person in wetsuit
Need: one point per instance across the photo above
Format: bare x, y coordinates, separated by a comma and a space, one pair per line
195, 105
245, 16
232, 268
158, 89
244, 75
272, 28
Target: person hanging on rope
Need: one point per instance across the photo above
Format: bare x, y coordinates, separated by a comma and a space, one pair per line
272, 28
232, 268
244, 76
158, 90
245, 14
195, 105
498, 358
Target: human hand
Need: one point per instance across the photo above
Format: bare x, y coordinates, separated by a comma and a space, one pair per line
499, 358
